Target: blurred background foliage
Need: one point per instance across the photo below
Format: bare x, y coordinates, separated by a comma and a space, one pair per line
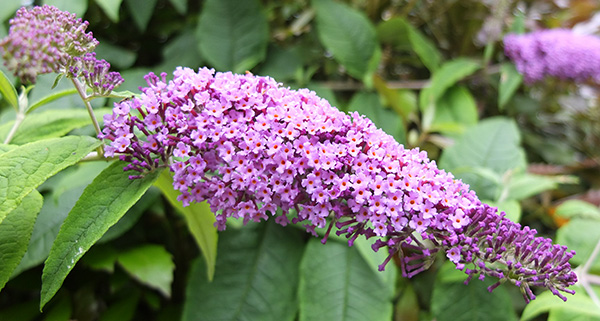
432, 73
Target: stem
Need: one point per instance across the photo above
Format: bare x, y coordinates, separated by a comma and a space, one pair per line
13, 130
23, 102
81, 90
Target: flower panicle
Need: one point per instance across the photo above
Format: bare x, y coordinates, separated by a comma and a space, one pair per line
44, 40
254, 149
558, 53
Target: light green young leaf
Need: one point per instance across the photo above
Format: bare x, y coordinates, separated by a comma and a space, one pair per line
9, 93
494, 145
348, 34
510, 80
452, 300
578, 304
101, 205
141, 12
15, 232
111, 8
369, 104
445, 77
404, 36
150, 264
580, 235
200, 221
523, 185
256, 276
578, 209
180, 6
78, 7
49, 124
338, 284
50, 98
26, 167
233, 35
456, 107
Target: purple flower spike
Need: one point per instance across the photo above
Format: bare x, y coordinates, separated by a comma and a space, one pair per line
43, 40
96, 74
250, 147
556, 53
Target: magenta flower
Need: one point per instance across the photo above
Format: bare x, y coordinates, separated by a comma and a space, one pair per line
43, 40
251, 147
556, 53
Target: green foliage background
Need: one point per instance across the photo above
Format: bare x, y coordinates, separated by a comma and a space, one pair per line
430, 73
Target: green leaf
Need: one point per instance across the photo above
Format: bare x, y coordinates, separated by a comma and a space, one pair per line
9, 93
442, 79
523, 185
49, 124
369, 104
178, 52
256, 276
119, 57
26, 167
141, 12
150, 264
510, 80
233, 35
402, 101
78, 7
578, 209
50, 98
46, 228
101, 205
579, 304
111, 8
406, 37
6, 147
123, 309
9, 7
15, 232
452, 300
338, 284
580, 235
180, 6
282, 63
200, 221
348, 34
511, 207
493, 145
456, 107
374, 259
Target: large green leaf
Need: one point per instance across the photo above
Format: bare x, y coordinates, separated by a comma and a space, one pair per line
26, 167
404, 36
579, 304
233, 35
101, 205
580, 235
9, 93
487, 150
510, 80
256, 276
141, 12
78, 7
524, 185
50, 123
150, 264
455, 111
369, 104
338, 284
452, 300
178, 52
442, 79
50, 98
349, 35
15, 232
200, 221
578, 209
111, 8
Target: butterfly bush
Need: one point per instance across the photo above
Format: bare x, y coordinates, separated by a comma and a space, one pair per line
47, 40
254, 149
556, 53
